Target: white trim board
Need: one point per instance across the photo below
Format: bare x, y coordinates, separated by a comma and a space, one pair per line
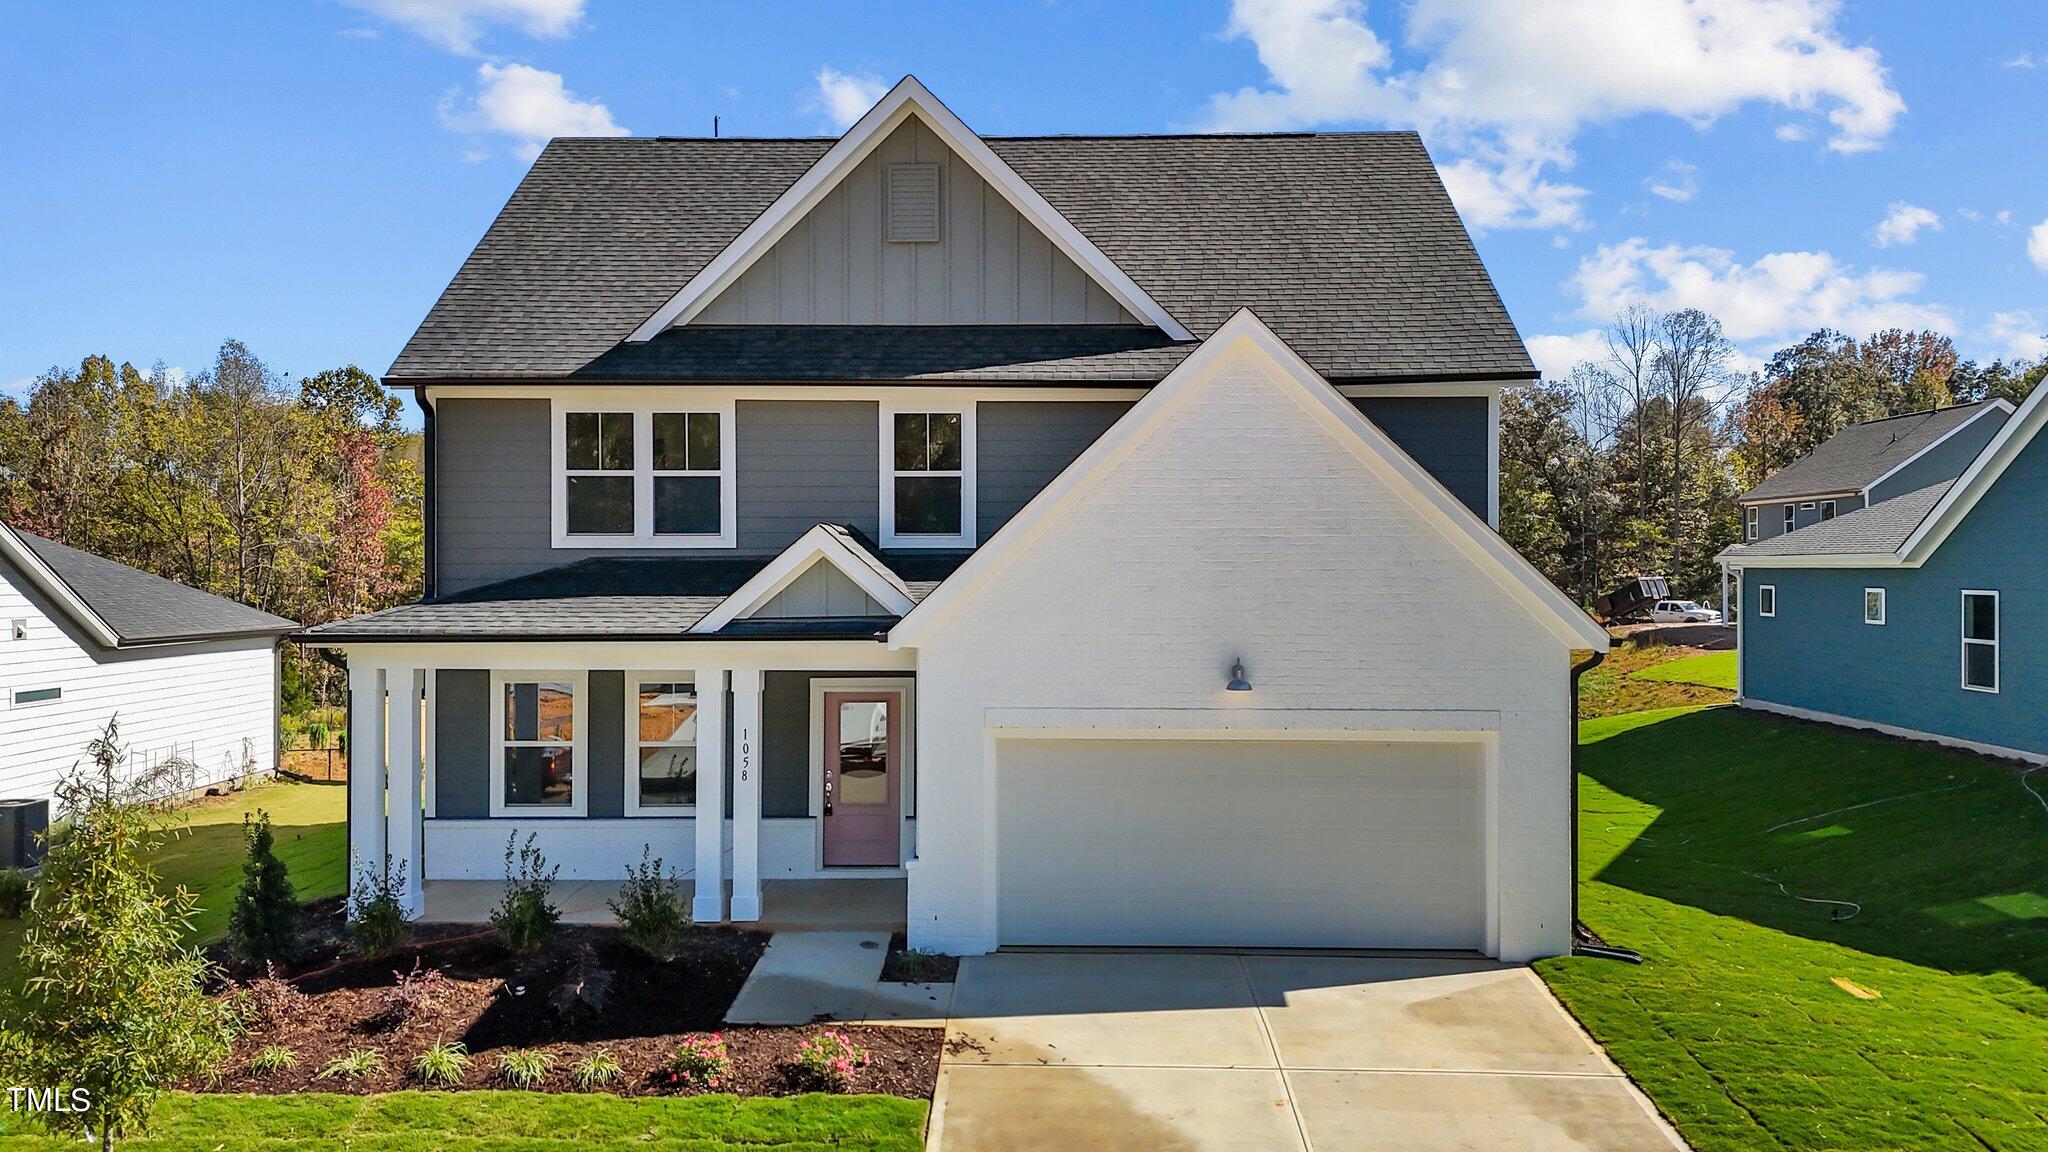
1957, 742
908, 98
1244, 333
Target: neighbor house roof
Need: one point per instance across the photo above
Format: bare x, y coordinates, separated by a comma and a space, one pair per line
123, 607
1881, 528
622, 598
1860, 455
1346, 244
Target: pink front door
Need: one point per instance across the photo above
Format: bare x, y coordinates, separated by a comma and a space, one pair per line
863, 779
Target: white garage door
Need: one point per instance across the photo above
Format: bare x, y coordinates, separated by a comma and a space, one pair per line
1240, 843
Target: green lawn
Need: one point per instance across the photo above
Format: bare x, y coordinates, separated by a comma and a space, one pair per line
309, 823
505, 1121
1734, 1024
1713, 670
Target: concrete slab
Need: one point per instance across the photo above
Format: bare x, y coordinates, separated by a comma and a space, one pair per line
1178, 1010
909, 1005
1443, 1112
1383, 1013
983, 1108
806, 976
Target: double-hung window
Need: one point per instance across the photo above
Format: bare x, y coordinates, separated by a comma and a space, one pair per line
661, 745
1749, 523
536, 754
1791, 517
1980, 641
928, 477
644, 475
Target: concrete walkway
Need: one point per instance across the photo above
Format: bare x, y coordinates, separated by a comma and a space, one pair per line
811, 976
1189, 1052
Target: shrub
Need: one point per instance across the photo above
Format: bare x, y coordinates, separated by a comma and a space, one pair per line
13, 893
702, 1061
377, 926
274, 1058
524, 1067
525, 917
829, 1059
597, 1070
271, 999
316, 735
442, 1063
110, 999
413, 993
358, 1063
650, 908
263, 925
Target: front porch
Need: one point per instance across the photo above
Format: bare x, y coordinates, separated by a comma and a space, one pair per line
858, 905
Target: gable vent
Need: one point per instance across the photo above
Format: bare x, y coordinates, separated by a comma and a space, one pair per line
913, 203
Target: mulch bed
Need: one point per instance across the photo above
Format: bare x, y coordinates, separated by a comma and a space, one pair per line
493, 1002
905, 966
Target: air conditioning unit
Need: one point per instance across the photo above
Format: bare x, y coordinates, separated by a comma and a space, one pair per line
22, 824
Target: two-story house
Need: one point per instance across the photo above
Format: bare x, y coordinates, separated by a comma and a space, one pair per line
1088, 539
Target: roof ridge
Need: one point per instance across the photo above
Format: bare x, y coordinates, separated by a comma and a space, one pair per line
1297, 134
1934, 411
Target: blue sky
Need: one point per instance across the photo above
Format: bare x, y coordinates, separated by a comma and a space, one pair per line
306, 176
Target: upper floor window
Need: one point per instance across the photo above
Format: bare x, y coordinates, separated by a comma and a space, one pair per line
1827, 509
1749, 523
643, 476
1791, 517
928, 477
1980, 641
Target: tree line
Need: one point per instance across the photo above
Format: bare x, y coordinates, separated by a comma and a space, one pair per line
300, 498
1632, 463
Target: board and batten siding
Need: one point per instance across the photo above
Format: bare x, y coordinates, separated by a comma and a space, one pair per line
1818, 655
214, 704
988, 266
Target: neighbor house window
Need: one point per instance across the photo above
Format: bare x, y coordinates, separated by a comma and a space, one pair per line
36, 695
1827, 509
1791, 517
661, 742
1767, 600
1980, 641
1749, 524
537, 760
645, 476
928, 486
1873, 605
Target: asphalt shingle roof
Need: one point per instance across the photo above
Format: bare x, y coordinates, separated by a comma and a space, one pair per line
1878, 529
1346, 244
619, 598
146, 609
1861, 453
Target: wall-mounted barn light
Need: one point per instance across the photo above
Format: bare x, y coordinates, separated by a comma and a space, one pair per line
1237, 681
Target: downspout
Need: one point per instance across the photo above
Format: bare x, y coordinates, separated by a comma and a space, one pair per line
1572, 703
427, 549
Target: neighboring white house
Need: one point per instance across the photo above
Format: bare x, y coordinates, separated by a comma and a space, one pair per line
84, 640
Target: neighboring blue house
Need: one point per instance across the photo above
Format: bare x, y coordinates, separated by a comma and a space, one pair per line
1924, 614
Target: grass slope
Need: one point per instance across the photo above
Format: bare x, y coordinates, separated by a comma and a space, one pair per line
309, 822
1734, 1025
504, 1121
1618, 684
1712, 670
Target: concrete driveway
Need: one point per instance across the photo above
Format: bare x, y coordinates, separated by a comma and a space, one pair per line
1186, 1051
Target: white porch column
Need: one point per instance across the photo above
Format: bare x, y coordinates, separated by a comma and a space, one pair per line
403, 786
1727, 613
708, 905
365, 772
746, 794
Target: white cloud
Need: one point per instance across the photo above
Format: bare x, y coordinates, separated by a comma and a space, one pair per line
457, 25
2020, 334
1794, 133
528, 105
1777, 296
1674, 181
2037, 245
845, 97
1903, 223
1507, 84
1555, 355
2023, 60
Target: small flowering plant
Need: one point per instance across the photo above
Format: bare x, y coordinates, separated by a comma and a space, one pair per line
830, 1058
701, 1061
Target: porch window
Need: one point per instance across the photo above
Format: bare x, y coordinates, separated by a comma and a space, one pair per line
662, 738
1980, 641
598, 466
537, 761
645, 475
928, 482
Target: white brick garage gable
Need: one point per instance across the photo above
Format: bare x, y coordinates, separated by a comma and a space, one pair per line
1235, 514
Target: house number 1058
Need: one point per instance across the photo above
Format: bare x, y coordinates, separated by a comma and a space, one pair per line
746, 757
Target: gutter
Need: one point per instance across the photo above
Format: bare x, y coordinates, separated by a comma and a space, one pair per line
1578, 949
427, 550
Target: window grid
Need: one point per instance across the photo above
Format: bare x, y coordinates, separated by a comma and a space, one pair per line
1980, 641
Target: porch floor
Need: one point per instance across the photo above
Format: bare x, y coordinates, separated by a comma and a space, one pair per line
852, 905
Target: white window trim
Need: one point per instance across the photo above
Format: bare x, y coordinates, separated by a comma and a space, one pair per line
643, 411
579, 755
1828, 509
1749, 522
14, 699
1882, 604
887, 460
1791, 517
1998, 630
633, 743
1806, 505
1764, 591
